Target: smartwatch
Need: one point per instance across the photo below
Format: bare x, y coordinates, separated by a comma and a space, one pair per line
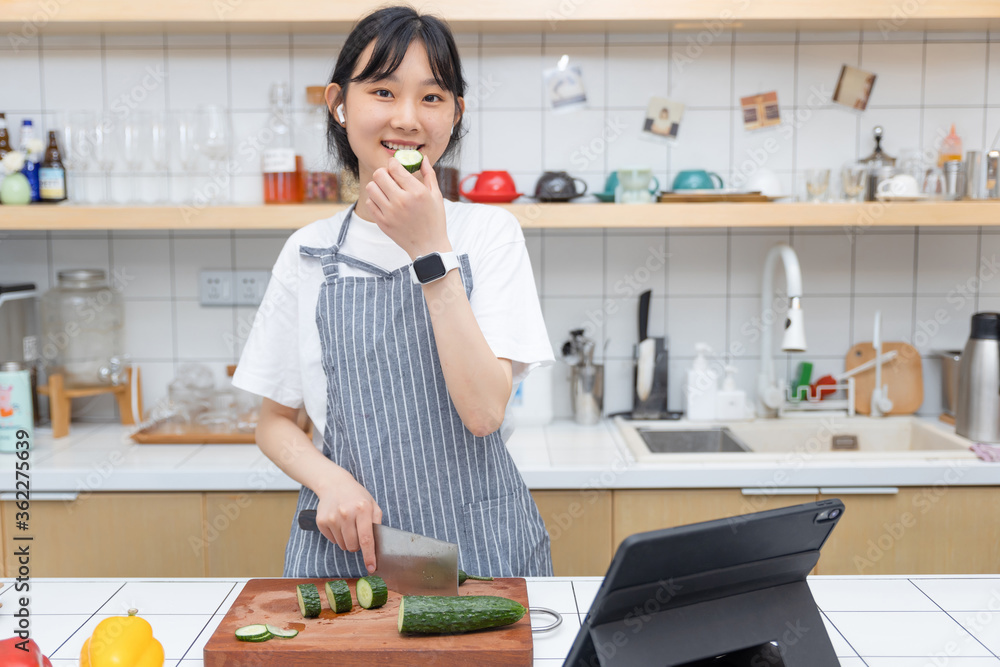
435, 266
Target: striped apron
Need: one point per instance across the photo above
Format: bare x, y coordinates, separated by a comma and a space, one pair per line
391, 423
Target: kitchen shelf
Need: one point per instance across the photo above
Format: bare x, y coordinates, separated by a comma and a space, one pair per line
531, 216
514, 15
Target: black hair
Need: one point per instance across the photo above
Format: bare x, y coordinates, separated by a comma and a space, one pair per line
394, 29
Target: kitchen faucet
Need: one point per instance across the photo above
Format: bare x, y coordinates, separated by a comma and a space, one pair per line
771, 391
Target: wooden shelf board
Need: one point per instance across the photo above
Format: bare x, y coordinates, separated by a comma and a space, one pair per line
520, 15
531, 216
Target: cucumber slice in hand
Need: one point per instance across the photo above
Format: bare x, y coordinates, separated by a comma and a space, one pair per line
410, 159
253, 633
372, 592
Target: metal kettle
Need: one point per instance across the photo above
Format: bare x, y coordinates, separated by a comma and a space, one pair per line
977, 416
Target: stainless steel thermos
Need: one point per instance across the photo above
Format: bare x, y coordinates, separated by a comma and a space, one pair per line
977, 415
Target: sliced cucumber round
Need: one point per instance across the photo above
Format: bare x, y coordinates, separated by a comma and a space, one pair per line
278, 632
309, 603
253, 633
410, 159
338, 593
372, 592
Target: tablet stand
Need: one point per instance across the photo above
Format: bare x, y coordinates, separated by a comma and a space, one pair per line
758, 614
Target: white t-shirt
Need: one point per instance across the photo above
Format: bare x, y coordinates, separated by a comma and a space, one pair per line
282, 357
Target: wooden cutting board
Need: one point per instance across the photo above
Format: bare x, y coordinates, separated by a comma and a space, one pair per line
904, 375
361, 637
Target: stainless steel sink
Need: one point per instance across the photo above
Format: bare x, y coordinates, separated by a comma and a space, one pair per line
677, 441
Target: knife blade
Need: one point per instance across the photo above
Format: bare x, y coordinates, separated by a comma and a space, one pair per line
410, 564
646, 351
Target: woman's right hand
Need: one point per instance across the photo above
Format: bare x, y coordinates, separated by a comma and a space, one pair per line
345, 514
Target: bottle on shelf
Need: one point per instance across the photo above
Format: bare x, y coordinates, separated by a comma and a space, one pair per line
4, 141
951, 148
282, 184
320, 183
52, 174
32, 154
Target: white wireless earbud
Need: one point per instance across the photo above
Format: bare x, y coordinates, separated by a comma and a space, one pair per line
340, 113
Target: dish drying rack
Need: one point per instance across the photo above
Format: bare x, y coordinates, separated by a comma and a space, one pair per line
805, 404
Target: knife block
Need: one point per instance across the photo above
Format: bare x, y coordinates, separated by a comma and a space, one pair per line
655, 405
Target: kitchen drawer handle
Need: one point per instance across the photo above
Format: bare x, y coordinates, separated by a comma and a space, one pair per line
42, 496
780, 491
556, 616
860, 490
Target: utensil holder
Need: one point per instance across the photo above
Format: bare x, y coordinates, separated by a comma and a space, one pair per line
587, 393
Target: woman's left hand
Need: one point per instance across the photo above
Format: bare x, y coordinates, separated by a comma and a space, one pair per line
411, 213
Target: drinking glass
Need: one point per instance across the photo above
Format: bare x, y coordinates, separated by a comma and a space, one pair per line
187, 146
817, 182
159, 153
78, 137
853, 178
135, 148
104, 150
213, 143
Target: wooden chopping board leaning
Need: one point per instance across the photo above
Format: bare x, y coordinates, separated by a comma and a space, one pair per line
903, 375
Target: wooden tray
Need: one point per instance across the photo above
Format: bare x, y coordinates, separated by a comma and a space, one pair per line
163, 434
669, 197
361, 637
904, 375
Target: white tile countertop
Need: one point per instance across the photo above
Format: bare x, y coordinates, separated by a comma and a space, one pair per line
906, 621
562, 455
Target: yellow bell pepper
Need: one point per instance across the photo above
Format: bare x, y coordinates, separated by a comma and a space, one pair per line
122, 641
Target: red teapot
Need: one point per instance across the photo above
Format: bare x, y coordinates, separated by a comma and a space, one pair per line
492, 187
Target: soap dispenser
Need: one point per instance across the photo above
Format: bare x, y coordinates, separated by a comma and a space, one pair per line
701, 390
731, 403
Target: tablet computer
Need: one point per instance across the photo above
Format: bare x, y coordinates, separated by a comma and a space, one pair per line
726, 592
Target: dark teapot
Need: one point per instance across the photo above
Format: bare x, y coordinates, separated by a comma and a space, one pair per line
558, 186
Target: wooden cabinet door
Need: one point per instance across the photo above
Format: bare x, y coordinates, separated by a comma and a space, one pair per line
579, 525
113, 535
643, 510
245, 534
920, 530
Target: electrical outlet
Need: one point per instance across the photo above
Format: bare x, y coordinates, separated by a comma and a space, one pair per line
250, 286
215, 288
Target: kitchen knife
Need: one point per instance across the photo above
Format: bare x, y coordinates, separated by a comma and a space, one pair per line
646, 352
410, 564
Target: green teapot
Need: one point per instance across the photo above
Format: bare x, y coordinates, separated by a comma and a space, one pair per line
697, 179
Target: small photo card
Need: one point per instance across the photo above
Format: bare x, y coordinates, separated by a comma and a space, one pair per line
760, 111
854, 87
663, 118
565, 88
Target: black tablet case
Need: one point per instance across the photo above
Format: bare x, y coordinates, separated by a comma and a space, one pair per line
730, 592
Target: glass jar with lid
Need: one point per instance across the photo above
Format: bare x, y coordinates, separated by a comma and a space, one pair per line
83, 328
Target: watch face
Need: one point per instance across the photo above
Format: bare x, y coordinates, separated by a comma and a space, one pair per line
429, 268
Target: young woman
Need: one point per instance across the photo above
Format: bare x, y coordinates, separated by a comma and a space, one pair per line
400, 325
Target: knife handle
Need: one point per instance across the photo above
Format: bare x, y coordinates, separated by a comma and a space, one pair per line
307, 520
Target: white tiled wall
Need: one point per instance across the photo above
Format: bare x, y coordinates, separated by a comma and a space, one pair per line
927, 283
